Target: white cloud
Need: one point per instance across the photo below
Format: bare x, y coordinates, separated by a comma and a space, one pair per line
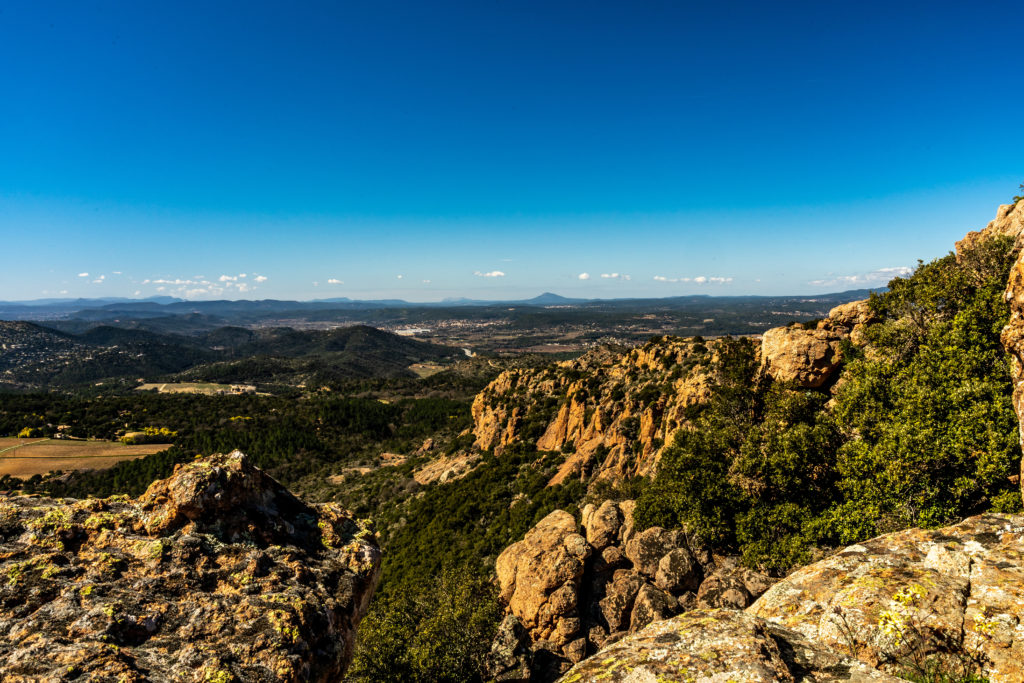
260, 278
875, 277
117, 272
83, 275
177, 282
700, 279
615, 276
583, 276
99, 280
426, 282
493, 273
63, 291
228, 278
335, 281
399, 276
242, 275
137, 292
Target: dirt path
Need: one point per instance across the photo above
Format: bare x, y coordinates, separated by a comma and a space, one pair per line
19, 445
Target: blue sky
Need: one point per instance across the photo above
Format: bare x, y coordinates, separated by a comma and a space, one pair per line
497, 149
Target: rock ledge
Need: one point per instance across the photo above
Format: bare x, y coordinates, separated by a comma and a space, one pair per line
217, 573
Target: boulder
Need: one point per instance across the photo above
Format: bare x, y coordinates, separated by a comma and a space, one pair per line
602, 524
510, 656
216, 573
720, 645
808, 357
678, 571
538, 577
724, 589
617, 603
959, 588
651, 604
646, 548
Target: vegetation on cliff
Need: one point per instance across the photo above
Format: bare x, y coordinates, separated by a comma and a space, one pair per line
921, 429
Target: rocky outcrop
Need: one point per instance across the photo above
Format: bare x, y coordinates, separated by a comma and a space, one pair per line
810, 357
1009, 222
610, 411
720, 645
215, 574
923, 593
1013, 335
952, 598
575, 590
446, 468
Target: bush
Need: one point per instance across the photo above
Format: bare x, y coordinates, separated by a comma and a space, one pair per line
438, 632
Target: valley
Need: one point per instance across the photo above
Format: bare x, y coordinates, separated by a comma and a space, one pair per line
538, 509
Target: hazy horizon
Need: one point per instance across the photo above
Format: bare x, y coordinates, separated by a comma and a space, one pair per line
415, 152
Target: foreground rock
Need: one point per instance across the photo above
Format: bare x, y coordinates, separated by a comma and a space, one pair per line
720, 645
571, 590
215, 574
957, 591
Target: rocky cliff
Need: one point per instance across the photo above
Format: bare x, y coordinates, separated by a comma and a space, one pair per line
215, 574
1010, 222
610, 410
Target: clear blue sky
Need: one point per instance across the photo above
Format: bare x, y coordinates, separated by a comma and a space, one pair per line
792, 147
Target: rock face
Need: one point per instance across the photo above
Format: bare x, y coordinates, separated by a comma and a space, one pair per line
1012, 222
576, 590
1009, 221
611, 411
810, 357
215, 574
720, 645
963, 586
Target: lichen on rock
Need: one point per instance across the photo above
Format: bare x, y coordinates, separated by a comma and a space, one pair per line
720, 645
217, 573
962, 587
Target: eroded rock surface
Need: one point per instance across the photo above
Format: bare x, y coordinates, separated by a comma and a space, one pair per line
612, 411
215, 574
538, 577
1009, 222
962, 585
576, 590
720, 645
811, 356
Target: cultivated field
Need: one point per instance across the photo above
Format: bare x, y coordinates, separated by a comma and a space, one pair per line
196, 388
24, 457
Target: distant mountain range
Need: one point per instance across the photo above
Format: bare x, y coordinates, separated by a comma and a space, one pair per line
156, 306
